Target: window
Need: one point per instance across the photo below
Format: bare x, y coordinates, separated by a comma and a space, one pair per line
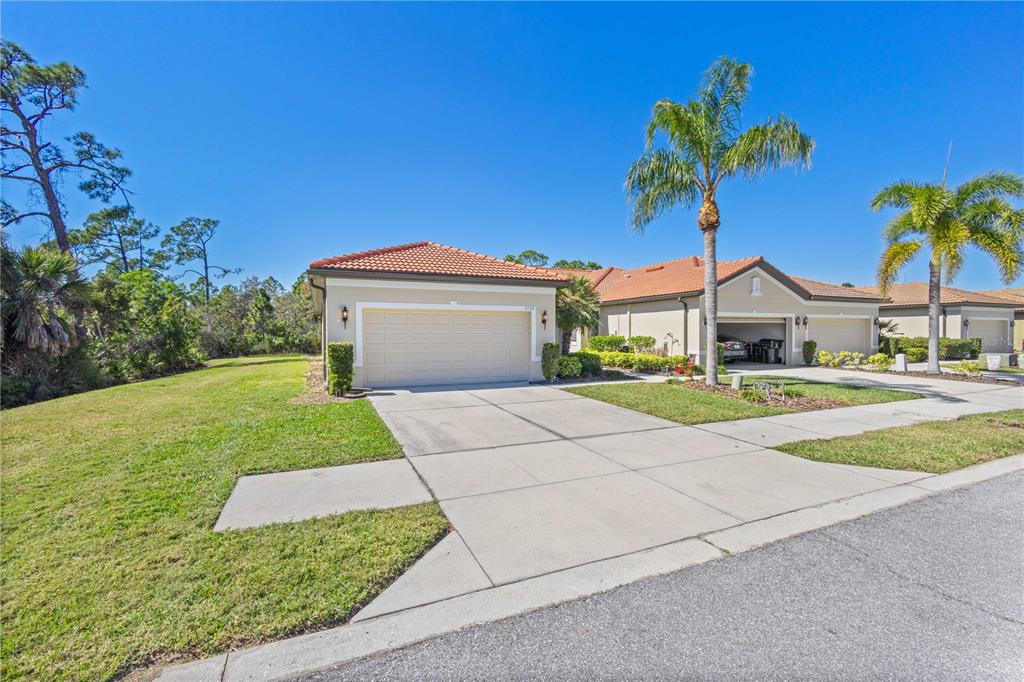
755, 286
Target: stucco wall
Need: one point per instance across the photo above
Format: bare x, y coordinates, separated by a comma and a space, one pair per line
654, 318
914, 321
348, 292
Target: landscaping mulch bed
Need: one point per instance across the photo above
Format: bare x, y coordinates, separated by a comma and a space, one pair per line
315, 393
972, 378
797, 403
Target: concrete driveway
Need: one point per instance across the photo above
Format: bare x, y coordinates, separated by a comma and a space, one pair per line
535, 479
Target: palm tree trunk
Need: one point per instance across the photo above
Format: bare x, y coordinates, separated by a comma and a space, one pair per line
566, 340
711, 306
934, 311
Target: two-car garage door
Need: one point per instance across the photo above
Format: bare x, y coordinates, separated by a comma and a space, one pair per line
430, 347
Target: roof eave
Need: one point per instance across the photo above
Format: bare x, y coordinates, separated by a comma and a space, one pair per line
422, 277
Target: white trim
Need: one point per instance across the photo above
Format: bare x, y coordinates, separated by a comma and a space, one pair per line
419, 285
395, 305
975, 317
843, 315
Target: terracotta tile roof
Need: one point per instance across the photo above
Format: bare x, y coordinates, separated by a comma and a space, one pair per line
816, 288
429, 258
1008, 295
916, 294
685, 276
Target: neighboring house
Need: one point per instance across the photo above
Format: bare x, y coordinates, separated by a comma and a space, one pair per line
756, 301
964, 314
1015, 296
428, 314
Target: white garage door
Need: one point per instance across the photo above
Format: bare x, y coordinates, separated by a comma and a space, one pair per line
992, 334
431, 347
837, 334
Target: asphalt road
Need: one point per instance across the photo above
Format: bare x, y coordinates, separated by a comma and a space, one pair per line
930, 590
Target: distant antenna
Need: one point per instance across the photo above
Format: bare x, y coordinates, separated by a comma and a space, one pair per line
949, 152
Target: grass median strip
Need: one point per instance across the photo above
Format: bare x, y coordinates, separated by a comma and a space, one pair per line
110, 560
689, 405
933, 447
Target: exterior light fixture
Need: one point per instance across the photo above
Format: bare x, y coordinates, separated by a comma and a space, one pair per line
544, 319
797, 320
876, 321
343, 314
967, 323
805, 320
1012, 324
705, 321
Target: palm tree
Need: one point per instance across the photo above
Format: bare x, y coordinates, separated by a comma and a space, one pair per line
945, 221
577, 306
43, 294
704, 146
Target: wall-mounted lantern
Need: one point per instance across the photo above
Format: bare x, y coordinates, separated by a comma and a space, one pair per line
544, 319
876, 322
805, 320
797, 320
1012, 324
967, 323
343, 314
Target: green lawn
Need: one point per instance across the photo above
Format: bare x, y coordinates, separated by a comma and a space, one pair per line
109, 499
843, 393
935, 447
689, 406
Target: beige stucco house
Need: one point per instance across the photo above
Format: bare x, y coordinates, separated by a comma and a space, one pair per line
964, 314
756, 302
429, 314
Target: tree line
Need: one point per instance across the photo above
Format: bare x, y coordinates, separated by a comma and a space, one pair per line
152, 304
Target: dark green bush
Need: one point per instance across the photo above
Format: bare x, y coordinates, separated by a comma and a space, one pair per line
14, 391
549, 360
340, 355
606, 343
809, 350
721, 353
642, 344
949, 349
569, 367
915, 354
590, 363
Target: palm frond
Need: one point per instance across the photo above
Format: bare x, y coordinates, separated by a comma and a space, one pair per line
895, 256
895, 195
769, 146
900, 227
988, 186
659, 181
1003, 246
724, 89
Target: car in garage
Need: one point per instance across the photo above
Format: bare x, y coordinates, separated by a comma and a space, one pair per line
734, 348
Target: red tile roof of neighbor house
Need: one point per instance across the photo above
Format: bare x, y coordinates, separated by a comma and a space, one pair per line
914, 294
685, 276
1015, 296
429, 258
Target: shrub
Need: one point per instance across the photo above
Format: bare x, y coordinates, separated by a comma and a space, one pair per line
606, 343
809, 349
721, 352
949, 349
966, 367
339, 367
14, 391
916, 354
590, 363
569, 367
673, 381
880, 361
840, 359
549, 360
642, 344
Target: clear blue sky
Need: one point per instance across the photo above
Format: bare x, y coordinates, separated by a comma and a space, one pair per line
316, 129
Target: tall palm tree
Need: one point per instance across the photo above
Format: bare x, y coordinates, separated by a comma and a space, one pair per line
943, 222
43, 294
704, 146
577, 306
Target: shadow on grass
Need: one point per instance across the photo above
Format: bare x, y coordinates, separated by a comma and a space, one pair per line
246, 362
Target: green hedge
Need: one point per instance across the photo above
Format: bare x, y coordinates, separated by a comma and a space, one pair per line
642, 344
642, 362
590, 363
569, 366
549, 360
809, 351
339, 367
601, 344
949, 349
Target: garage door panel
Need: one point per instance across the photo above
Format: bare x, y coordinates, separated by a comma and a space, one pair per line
992, 333
422, 347
837, 334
